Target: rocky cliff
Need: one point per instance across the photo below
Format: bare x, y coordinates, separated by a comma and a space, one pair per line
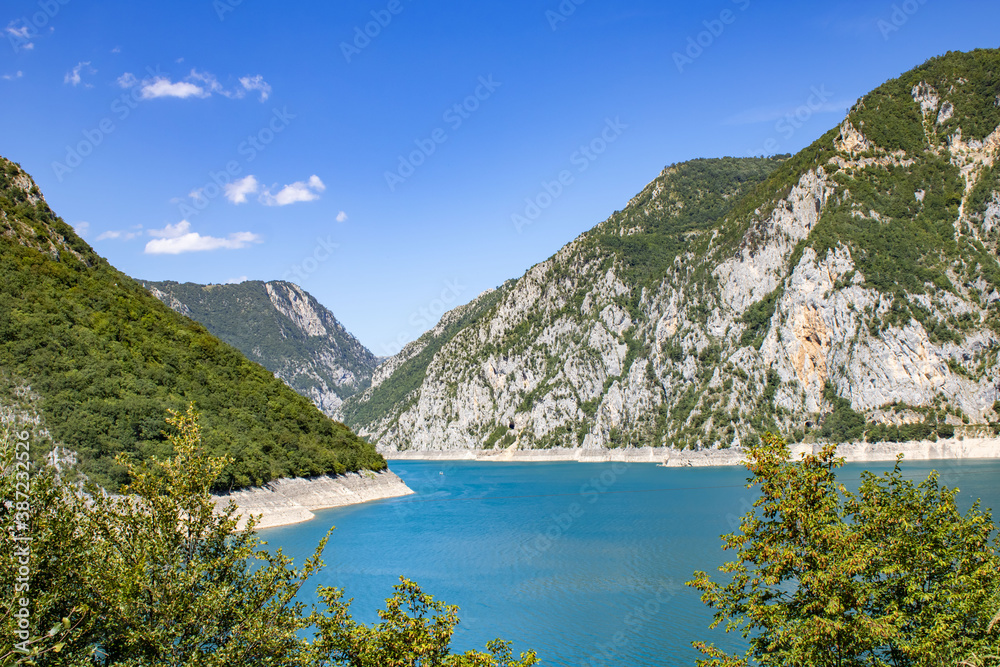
288, 501
848, 292
283, 328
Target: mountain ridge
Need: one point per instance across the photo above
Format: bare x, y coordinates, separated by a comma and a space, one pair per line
282, 327
101, 361
852, 292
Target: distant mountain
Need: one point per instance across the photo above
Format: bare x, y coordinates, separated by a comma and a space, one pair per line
103, 360
283, 328
849, 292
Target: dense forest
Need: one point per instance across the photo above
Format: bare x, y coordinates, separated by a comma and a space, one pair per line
105, 360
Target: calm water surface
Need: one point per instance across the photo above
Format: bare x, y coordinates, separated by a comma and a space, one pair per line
583, 562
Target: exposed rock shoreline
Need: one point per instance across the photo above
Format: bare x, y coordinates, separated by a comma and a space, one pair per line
289, 501
969, 448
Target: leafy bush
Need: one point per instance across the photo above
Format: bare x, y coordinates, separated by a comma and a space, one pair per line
843, 424
160, 577
757, 319
891, 575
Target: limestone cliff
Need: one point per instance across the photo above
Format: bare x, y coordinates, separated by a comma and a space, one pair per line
851, 291
282, 327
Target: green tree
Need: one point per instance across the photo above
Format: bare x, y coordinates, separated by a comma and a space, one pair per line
160, 576
416, 630
892, 575
32, 506
175, 583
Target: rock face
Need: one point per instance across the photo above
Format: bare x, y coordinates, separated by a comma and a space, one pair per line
846, 292
282, 327
965, 448
288, 501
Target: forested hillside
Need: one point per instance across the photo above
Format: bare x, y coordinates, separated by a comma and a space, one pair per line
283, 328
104, 360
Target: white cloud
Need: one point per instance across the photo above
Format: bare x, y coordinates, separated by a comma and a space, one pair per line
236, 281
118, 235
81, 228
75, 77
127, 80
164, 87
11, 77
211, 84
342, 217
178, 239
117, 49
300, 191
196, 84
247, 84
771, 114
172, 231
19, 36
257, 83
237, 191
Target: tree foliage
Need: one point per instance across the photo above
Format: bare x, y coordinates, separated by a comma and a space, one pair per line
893, 575
244, 316
415, 630
159, 576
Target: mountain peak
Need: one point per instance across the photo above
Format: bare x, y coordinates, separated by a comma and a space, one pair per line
282, 327
25, 217
849, 291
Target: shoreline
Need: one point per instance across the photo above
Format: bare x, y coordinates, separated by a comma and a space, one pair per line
925, 450
285, 502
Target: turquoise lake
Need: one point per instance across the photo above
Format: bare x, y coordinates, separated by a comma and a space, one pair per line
583, 562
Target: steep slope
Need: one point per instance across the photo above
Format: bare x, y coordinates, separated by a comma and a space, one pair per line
850, 291
283, 328
104, 360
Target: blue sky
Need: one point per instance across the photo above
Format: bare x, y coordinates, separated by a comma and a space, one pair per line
397, 157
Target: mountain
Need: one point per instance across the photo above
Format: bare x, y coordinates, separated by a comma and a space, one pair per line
102, 360
848, 292
283, 328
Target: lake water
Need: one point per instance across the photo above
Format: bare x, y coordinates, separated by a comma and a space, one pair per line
583, 562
